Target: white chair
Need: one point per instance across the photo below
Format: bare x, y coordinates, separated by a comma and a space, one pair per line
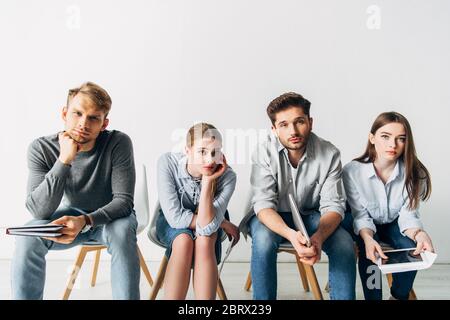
163, 266
141, 206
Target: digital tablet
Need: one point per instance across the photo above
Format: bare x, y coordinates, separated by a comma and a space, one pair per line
298, 221
400, 256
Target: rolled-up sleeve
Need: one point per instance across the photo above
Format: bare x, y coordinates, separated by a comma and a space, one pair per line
263, 183
332, 193
226, 186
408, 219
177, 216
361, 217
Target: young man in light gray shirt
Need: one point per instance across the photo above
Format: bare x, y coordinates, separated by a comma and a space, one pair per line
294, 160
82, 178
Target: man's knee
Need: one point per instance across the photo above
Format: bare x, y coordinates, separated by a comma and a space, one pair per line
264, 240
123, 229
340, 243
28, 245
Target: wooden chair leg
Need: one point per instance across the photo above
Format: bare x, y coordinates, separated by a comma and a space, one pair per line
312, 279
248, 282
76, 268
301, 270
220, 290
412, 295
144, 267
159, 278
95, 269
389, 279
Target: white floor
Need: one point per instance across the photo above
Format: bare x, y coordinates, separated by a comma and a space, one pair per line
433, 283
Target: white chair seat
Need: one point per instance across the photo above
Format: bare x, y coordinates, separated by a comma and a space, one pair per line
92, 243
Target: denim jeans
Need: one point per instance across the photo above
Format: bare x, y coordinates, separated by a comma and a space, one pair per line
28, 265
402, 282
339, 248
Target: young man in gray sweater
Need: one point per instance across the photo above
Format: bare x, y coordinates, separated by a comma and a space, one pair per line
82, 178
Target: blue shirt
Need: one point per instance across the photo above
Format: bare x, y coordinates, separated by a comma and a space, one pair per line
179, 193
316, 183
373, 202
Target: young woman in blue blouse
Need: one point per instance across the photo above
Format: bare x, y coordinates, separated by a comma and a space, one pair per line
194, 189
384, 187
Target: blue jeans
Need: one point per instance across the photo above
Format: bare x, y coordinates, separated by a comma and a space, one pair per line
28, 265
402, 282
339, 248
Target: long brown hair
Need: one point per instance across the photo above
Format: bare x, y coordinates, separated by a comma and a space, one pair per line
415, 171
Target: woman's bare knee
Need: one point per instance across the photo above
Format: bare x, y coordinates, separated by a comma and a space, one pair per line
183, 243
205, 244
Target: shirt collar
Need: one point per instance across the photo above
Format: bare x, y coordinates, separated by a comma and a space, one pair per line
370, 171
396, 172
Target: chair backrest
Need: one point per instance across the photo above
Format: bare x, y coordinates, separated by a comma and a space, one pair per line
152, 235
141, 203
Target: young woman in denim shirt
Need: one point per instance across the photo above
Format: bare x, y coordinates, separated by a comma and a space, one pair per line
194, 189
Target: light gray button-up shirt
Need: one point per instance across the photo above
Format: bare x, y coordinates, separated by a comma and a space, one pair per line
372, 201
316, 185
179, 193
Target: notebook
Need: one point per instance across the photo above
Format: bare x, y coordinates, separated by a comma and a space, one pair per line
39, 230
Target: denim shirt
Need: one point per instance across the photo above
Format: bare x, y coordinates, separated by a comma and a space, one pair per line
373, 202
316, 184
179, 193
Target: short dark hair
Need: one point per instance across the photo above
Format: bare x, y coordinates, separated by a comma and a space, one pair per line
286, 101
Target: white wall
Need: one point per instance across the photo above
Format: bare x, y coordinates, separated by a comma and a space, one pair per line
168, 64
